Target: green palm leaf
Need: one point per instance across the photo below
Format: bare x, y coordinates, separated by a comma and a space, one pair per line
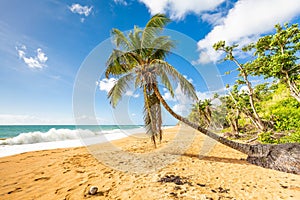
120, 87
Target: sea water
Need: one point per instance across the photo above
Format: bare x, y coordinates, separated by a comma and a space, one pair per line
17, 139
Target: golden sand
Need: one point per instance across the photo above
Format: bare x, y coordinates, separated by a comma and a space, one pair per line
132, 169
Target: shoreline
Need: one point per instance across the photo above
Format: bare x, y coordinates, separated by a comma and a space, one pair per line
220, 173
80, 141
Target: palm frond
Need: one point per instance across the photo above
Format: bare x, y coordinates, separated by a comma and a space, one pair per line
135, 39
121, 62
165, 80
154, 26
186, 87
120, 87
161, 47
120, 39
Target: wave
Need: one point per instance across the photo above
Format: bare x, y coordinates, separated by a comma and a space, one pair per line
57, 135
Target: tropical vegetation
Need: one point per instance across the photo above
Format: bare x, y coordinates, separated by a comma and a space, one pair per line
139, 61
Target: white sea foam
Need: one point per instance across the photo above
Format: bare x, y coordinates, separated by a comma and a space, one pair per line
59, 135
60, 138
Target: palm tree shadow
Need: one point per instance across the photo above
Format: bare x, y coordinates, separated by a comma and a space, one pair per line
217, 159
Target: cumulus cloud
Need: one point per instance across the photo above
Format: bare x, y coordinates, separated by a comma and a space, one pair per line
81, 10
245, 22
36, 62
106, 84
178, 9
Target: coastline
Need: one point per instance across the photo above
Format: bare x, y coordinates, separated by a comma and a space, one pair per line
61, 138
220, 173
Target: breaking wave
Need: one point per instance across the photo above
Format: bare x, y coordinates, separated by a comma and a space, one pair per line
55, 135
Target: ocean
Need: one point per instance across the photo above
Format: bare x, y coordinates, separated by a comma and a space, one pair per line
17, 139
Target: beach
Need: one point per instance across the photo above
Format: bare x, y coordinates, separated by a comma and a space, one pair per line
186, 165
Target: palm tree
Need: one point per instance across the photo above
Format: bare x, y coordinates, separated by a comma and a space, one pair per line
203, 108
139, 60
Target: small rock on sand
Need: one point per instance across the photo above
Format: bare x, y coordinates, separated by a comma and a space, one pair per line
93, 190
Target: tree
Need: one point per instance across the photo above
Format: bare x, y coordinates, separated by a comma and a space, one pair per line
203, 108
244, 73
277, 56
139, 60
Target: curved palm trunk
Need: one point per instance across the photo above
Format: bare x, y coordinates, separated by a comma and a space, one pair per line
282, 157
244, 148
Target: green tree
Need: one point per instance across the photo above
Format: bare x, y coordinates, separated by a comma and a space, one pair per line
243, 72
203, 108
277, 55
139, 60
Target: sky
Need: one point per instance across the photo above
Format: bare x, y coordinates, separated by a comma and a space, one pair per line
53, 53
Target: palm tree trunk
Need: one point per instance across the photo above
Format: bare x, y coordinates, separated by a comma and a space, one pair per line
244, 148
282, 157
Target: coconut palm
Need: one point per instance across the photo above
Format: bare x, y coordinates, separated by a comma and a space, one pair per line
139, 60
203, 108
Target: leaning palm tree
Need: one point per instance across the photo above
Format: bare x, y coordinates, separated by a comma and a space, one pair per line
139, 60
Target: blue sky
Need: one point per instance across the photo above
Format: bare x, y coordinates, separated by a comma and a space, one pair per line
44, 44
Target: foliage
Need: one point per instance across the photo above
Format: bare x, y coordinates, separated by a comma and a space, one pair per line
286, 114
266, 138
241, 99
277, 56
138, 60
274, 109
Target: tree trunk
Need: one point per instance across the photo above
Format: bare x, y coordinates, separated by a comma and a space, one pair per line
293, 88
258, 120
283, 157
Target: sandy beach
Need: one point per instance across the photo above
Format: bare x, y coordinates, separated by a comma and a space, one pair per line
131, 168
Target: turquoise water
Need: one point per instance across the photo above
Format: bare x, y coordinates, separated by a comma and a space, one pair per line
8, 131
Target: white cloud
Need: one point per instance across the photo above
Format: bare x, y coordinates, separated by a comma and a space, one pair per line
245, 22
188, 79
244, 89
178, 9
121, 2
183, 103
36, 62
130, 93
41, 55
106, 84
214, 19
204, 95
167, 96
81, 10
